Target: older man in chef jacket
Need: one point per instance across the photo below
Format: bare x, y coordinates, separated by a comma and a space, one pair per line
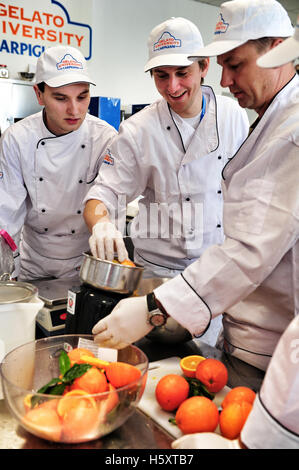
273, 422
252, 278
48, 161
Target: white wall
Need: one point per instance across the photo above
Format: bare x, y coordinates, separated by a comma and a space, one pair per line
120, 32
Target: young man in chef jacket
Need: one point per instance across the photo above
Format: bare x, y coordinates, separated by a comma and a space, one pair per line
172, 154
48, 161
252, 277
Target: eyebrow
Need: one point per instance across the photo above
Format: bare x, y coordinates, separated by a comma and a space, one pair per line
62, 95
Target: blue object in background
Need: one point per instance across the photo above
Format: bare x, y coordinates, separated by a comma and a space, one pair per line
107, 109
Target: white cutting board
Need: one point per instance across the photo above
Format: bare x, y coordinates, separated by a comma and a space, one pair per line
148, 403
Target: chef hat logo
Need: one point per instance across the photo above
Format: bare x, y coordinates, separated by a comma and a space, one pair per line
69, 62
166, 41
221, 26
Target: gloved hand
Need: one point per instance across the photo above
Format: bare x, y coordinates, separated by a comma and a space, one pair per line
205, 440
125, 324
105, 240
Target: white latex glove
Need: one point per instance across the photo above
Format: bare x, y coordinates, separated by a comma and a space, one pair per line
205, 440
105, 240
125, 324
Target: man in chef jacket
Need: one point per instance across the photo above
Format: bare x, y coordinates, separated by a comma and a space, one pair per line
48, 161
172, 153
252, 278
273, 422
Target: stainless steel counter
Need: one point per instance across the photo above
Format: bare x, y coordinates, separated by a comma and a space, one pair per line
139, 432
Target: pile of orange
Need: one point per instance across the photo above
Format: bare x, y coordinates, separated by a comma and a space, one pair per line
199, 413
85, 404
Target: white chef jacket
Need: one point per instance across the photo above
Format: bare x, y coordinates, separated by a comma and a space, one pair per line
150, 157
273, 422
43, 180
253, 277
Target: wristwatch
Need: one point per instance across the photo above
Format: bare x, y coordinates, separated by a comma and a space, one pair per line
156, 316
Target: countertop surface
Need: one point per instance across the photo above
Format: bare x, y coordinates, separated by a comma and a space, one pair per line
139, 431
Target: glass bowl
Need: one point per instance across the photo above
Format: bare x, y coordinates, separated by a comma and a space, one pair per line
72, 417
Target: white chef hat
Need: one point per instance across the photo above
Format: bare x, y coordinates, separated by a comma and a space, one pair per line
171, 42
62, 65
244, 20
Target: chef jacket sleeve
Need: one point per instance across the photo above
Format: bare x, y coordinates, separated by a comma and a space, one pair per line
261, 223
273, 422
13, 191
122, 176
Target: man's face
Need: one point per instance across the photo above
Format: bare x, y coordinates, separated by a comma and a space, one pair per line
253, 86
180, 86
65, 106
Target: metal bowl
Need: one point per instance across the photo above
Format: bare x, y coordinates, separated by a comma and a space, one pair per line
13, 291
109, 276
172, 332
26, 76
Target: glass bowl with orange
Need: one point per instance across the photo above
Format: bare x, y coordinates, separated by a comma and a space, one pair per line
59, 389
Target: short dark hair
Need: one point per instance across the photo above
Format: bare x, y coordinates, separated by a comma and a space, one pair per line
41, 86
264, 43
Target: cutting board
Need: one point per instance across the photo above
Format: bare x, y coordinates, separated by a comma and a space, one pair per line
148, 403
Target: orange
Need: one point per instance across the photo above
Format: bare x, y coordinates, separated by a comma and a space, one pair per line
94, 361
171, 391
233, 417
197, 414
120, 374
213, 374
80, 422
93, 381
237, 395
73, 399
108, 404
189, 363
44, 422
128, 262
75, 355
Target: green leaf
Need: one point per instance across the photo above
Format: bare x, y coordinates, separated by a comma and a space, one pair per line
197, 388
64, 362
74, 372
49, 385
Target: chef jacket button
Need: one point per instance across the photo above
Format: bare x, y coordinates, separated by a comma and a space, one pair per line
83, 146
219, 191
168, 128
79, 212
46, 229
43, 210
219, 157
43, 143
187, 198
218, 225
80, 181
41, 179
73, 231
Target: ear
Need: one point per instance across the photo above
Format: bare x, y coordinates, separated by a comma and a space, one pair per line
276, 42
207, 64
39, 95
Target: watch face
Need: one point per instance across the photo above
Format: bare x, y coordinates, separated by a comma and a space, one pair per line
158, 319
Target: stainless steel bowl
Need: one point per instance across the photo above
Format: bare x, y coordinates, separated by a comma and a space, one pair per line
172, 332
12, 292
109, 276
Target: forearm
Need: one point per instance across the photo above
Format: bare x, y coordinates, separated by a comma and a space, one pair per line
95, 211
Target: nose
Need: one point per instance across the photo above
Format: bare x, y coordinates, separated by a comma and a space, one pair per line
72, 107
226, 78
173, 83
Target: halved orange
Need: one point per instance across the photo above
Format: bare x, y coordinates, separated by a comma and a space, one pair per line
94, 361
189, 363
73, 399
